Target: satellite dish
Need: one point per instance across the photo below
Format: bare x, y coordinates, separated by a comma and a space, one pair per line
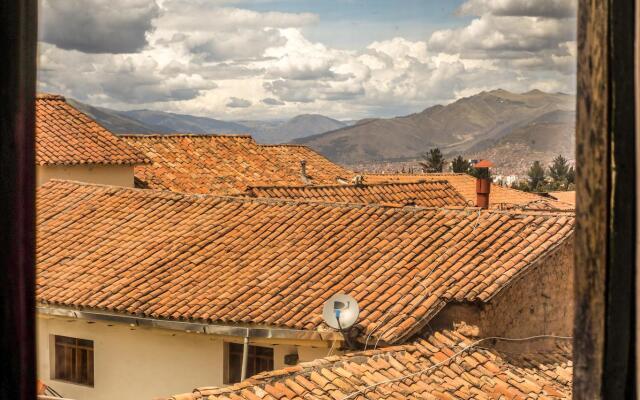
340, 311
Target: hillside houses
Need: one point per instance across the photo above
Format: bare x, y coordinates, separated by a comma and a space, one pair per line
227, 250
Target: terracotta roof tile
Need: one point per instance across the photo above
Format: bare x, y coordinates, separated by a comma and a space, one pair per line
225, 164
568, 197
274, 262
444, 365
500, 197
287, 157
424, 194
65, 136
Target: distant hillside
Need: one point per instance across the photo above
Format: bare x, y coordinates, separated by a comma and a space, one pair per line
116, 121
542, 139
147, 121
297, 127
475, 122
184, 123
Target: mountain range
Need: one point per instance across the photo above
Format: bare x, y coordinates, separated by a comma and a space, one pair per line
510, 129
148, 121
484, 123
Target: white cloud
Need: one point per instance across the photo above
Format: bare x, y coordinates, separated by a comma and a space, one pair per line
521, 8
236, 102
503, 37
209, 58
273, 102
108, 26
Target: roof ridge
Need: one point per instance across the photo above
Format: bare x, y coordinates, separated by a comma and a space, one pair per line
50, 96
285, 145
414, 174
272, 200
184, 134
348, 185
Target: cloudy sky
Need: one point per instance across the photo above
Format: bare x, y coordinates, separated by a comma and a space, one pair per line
265, 59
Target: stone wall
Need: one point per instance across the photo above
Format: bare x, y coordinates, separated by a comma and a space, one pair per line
539, 301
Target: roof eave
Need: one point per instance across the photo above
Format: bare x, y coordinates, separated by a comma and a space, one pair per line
189, 326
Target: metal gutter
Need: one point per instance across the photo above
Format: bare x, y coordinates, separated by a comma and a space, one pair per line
209, 329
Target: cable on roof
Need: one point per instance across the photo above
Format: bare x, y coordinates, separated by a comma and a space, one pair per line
429, 293
436, 365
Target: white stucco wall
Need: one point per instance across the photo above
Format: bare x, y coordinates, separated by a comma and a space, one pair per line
143, 363
134, 363
117, 175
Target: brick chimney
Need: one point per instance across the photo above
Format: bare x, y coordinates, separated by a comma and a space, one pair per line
483, 183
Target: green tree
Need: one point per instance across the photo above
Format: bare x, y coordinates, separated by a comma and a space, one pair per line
536, 176
460, 165
480, 173
520, 185
571, 178
433, 161
559, 170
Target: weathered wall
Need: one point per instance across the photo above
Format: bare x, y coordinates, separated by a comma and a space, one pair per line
539, 302
142, 363
117, 175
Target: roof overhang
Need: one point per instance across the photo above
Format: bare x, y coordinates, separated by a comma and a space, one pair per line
188, 326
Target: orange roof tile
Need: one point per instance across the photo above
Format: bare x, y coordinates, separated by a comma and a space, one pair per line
424, 194
224, 164
66, 136
466, 185
568, 197
320, 170
544, 203
444, 365
275, 262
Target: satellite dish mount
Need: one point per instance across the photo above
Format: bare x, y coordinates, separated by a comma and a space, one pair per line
341, 312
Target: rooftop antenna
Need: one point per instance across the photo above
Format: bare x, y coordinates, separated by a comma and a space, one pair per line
341, 312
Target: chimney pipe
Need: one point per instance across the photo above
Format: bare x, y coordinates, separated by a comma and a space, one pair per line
303, 172
483, 188
483, 183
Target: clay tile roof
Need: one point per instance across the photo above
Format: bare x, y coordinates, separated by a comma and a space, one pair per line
466, 185
319, 168
444, 365
275, 262
568, 197
548, 204
484, 164
225, 164
424, 194
66, 136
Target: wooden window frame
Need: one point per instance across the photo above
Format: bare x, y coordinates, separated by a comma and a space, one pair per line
235, 350
76, 349
605, 259
605, 251
18, 36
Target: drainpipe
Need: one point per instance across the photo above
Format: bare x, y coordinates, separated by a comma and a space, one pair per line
245, 357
